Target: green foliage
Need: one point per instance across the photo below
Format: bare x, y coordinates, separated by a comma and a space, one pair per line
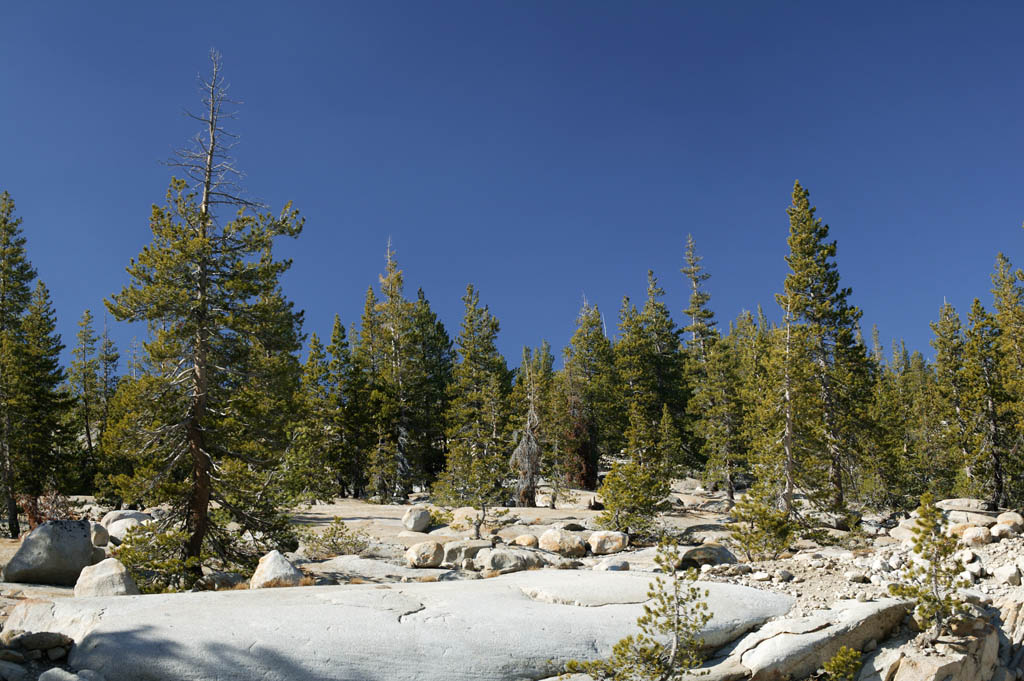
337, 539
532, 396
668, 644
156, 560
477, 471
633, 491
933, 580
844, 665
439, 517
761, 531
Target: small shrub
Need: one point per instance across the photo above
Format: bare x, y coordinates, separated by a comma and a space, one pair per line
632, 494
440, 517
335, 540
156, 560
844, 665
668, 644
761, 531
932, 582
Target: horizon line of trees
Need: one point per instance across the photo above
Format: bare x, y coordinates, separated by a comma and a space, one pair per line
221, 421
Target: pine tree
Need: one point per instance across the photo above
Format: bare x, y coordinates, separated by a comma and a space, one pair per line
87, 390
649, 361
701, 329
588, 423
220, 334
813, 299
16, 276
992, 432
42, 437
477, 470
717, 413
950, 375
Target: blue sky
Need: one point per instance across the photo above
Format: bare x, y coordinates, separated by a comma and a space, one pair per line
544, 151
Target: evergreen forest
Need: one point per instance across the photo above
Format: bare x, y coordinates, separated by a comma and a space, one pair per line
228, 415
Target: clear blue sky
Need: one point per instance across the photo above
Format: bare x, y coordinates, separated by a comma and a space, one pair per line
542, 150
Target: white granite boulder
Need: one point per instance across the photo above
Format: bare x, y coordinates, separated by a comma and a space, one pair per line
976, 536
114, 516
564, 543
274, 570
427, 554
416, 519
53, 553
1013, 519
99, 534
604, 542
106, 578
118, 529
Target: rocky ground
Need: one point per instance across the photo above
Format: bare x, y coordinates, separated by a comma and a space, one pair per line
835, 593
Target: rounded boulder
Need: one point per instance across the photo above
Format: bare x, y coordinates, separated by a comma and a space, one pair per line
106, 578
605, 542
416, 519
274, 570
426, 554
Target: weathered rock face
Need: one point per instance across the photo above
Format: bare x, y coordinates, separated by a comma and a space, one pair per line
520, 626
107, 578
974, 658
605, 542
274, 570
962, 504
53, 553
795, 648
416, 519
1013, 519
344, 568
504, 560
970, 518
564, 543
457, 551
427, 554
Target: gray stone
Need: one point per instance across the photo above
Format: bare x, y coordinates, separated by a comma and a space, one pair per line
99, 534
416, 519
1013, 519
118, 529
12, 672
107, 578
976, 536
604, 542
457, 551
962, 504
504, 560
563, 542
1002, 531
99, 553
427, 554
58, 674
345, 568
706, 554
517, 626
970, 518
613, 564
53, 553
114, 516
1007, 574
527, 540
274, 570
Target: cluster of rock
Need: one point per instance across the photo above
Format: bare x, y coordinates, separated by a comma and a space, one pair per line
21, 649
493, 557
972, 520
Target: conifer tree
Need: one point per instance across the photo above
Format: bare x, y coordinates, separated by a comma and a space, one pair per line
477, 472
650, 363
717, 413
16, 276
700, 332
813, 299
220, 333
588, 422
42, 437
950, 383
992, 432
87, 390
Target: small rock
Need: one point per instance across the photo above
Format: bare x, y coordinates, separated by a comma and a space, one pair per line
761, 576
706, 554
976, 536
1013, 519
1007, 574
527, 540
274, 570
605, 542
563, 542
783, 575
856, 577
106, 578
13, 672
56, 653
1002, 531
427, 554
612, 564
977, 568
416, 519
58, 674
99, 533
